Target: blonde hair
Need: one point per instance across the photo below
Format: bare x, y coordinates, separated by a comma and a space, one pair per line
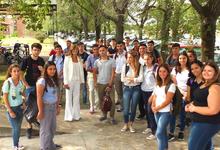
8, 74
136, 63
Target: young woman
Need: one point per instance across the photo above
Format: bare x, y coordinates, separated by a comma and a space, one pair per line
205, 110
161, 104
73, 77
131, 76
147, 88
13, 90
48, 105
180, 75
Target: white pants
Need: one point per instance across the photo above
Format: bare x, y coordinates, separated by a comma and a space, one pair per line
72, 107
93, 93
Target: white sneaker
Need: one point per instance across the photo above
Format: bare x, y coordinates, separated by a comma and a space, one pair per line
151, 137
147, 131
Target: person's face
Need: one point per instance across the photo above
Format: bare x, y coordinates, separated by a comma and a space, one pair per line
102, 51
113, 43
68, 43
74, 51
142, 50
191, 57
148, 60
130, 58
95, 50
120, 48
163, 73
35, 52
136, 44
182, 60
81, 48
127, 41
175, 50
208, 73
51, 70
58, 50
196, 70
15, 73
150, 47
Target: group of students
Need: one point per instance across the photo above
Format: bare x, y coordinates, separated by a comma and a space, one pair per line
137, 75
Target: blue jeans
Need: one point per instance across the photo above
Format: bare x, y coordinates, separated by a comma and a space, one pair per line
28, 91
182, 117
200, 137
131, 96
16, 123
84, 88
162, 120
151, 123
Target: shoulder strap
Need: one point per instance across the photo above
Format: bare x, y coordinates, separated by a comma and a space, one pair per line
53, 58
45, 89
9, 86
167, 87
63, 56
126, 69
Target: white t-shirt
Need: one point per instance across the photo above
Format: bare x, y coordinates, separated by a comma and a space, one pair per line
181, 79
161, 96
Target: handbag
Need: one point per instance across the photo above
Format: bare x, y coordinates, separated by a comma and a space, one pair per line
106, 101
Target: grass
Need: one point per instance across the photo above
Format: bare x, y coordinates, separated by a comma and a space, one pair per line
3, 70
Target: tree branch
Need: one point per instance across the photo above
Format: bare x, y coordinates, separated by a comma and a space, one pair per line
197, 6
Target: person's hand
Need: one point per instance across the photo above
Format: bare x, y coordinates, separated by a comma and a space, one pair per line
66, 86
187, 107
40, 115
192, 108
154, 109
58, 109
41, 68
12, 114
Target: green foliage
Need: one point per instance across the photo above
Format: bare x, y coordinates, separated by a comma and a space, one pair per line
41, 36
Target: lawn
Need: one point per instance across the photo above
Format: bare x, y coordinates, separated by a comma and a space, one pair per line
3, 69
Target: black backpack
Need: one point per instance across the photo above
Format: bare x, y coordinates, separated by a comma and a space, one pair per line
177, 99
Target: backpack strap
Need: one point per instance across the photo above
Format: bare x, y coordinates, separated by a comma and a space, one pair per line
167, 87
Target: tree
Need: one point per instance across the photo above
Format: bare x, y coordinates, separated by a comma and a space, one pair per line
139, 14
209, 12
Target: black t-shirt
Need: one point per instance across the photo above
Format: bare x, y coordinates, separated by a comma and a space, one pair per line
84, 57
193, 86
171, 62
111, 51
30, 66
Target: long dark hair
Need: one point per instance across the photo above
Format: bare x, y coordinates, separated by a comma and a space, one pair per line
168, 78
178, 65
197, 62
51, 81
216, 78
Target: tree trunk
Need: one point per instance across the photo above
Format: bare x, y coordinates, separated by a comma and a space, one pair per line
97, 28
119, 28
140, 31
85, 26
208, 28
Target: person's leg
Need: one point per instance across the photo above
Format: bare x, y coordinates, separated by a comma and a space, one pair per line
61, 91
118, 89
201, 135
101, 92
182, 118
76, 101
68, 116
145, 98
136, 96
126, 103
163, 119
112, 95
141, 108
172, 125
91, 92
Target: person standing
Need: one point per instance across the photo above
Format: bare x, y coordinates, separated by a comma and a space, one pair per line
48, 105
93, 93
154, 52
103, 74
131, 76
13, 90
162, 104
32, 67
73, 76
172, 59
83, 56
66, 50
205, 110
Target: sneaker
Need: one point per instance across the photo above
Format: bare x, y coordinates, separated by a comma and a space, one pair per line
171, 137
29, 133
139, 117
102, 118
58, 146
147, 131
181, 136
119, 110
151, 137
132, 130
20, 147
125, 128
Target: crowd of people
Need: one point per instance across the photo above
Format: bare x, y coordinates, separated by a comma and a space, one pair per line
134, 76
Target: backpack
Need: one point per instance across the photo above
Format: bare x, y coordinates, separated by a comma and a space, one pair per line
54, 57
106, 102
177, 99
9, 85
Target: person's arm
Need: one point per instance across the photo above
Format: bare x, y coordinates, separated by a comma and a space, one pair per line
188, 97
95, 72
169, 97
112, 78
140, 77
40, 93
7, 105
213, 99
23, 79
89, 64
65, 73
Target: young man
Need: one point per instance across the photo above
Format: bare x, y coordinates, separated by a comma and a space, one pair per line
58, 59
120, 60
105, 67
172, 59
142, 51
93, 94
83, 55
32, 67
154, 52
112, 48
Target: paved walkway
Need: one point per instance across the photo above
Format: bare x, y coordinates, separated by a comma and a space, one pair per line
90, 134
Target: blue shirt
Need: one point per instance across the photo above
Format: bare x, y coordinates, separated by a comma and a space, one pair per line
14, 92
51, 95
90, 61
